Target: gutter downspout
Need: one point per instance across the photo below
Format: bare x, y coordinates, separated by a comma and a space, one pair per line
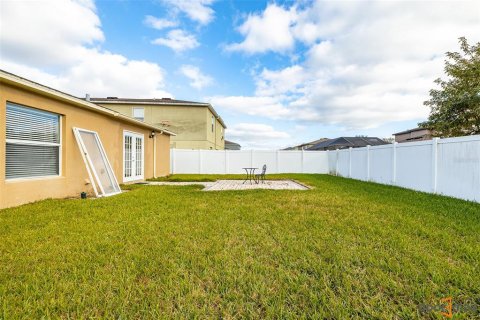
154, 156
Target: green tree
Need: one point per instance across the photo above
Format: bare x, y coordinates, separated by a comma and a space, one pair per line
455, 106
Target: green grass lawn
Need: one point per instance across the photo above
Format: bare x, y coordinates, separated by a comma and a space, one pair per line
345, 249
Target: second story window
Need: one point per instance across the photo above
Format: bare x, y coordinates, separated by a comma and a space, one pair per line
139, 113
213, 123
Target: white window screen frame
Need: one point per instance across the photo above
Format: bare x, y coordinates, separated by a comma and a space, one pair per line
89, 165
143, 112
38, 143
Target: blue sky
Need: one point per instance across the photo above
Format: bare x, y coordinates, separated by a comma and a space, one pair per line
279, 73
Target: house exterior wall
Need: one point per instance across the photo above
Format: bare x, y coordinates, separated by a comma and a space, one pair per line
192, 125
74, 177
215, 134
417, 135
219, 136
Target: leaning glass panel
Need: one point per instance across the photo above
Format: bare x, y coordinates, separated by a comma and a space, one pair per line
99, 162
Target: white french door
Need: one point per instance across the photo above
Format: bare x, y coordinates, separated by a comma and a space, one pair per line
133, 156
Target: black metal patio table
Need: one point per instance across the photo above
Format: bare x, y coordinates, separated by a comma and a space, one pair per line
250, 174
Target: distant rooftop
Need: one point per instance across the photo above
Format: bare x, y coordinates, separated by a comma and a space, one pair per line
230, 145
313, 142
168, 101
158, 101
347, 142
306, 144
231, 142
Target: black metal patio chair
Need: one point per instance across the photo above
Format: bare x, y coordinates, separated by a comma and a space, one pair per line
261, 176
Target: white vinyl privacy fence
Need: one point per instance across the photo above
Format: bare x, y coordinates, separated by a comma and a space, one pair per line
445, 166
233, 161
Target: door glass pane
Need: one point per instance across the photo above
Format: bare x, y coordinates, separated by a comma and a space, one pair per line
138, 157
99, 162
128, 156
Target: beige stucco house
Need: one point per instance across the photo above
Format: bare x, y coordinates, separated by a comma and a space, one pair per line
40, 149
196, 125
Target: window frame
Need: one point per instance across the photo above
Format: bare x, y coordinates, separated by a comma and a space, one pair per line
138, 108
36, 143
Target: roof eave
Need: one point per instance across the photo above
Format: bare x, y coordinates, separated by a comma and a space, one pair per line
11, 79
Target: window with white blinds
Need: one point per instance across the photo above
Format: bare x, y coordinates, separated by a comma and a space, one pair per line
32, 142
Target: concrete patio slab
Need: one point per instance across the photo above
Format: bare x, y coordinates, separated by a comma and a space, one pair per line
268, 184
221, 185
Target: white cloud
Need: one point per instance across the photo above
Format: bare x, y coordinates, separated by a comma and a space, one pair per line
43, 33
196, 10
56, 43
198, 79
269, 107
178, 40
362, 67
284, 81
159, 23
269, 31
100, 74
256, 135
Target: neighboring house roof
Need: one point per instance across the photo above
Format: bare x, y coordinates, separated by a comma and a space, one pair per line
10, 78
316, 141
311, 143
410, 131
232, 144
347, 142
160, 101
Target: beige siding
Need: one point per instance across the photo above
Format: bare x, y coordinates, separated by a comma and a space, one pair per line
191, 124
214, 137
219, 136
